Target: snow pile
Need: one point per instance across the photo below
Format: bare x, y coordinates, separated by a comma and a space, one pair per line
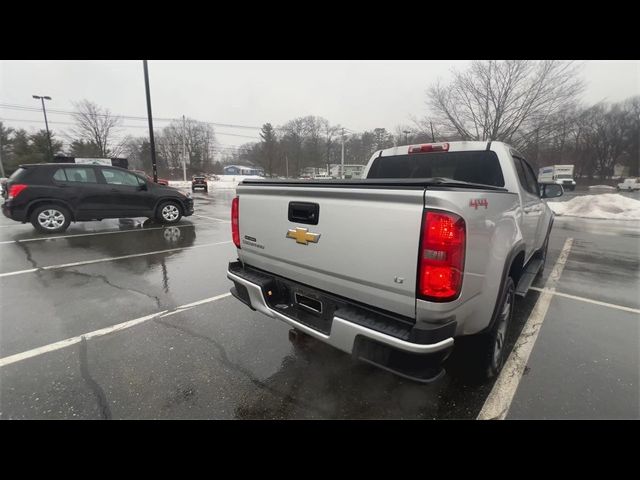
601, 187
180, 184
610, 206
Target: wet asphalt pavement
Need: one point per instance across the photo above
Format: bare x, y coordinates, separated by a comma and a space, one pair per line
220, 360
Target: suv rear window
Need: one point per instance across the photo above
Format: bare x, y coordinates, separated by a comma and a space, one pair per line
481, 167
17, 174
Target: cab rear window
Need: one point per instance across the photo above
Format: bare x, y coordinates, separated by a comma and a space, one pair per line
481, 167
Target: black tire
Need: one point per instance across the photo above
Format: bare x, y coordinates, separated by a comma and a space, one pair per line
169, 212
50, 218
483, 355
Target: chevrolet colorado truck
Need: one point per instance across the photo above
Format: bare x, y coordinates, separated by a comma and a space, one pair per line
427, 250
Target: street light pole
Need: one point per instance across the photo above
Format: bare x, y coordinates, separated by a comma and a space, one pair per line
406, 132
184, 155
46, 123
151, 141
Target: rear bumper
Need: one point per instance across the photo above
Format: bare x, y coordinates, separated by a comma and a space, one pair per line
14, 213
372, 337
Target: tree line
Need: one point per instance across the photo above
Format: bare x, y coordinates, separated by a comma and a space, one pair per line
97, 133
533, 105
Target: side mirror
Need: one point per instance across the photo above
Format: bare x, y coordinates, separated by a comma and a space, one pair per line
143, 187
551, 190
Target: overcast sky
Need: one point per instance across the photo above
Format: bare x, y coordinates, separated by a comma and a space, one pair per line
360, 95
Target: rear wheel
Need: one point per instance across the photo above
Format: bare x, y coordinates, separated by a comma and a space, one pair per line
484, 354
169, 212
50, 219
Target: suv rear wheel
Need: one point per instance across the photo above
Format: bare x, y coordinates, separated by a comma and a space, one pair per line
50, 218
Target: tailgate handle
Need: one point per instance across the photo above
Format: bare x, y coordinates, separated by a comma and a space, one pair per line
304, 212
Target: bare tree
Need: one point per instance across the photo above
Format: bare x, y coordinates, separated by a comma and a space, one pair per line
97, 126
502, 100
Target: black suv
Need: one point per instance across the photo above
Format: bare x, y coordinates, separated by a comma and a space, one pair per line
52, 195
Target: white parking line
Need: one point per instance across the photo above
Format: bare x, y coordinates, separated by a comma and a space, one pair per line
108, 259
212, 218
589, 300
103, 331
36, 239
499, 400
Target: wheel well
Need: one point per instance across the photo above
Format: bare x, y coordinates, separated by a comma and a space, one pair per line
517, 267
39, 203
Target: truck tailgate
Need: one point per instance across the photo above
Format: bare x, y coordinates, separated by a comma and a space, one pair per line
367, 249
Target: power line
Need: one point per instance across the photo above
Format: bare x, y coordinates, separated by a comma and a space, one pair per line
9, 106
217, 132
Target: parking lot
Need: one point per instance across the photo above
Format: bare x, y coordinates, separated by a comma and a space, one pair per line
128, 319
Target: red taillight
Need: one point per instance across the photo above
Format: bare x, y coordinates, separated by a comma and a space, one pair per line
441, 263
235, 221
429, 147
15, 190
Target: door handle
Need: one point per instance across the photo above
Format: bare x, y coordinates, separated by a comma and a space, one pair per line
115, 190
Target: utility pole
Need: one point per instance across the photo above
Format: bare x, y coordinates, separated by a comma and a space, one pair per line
46, 123
1, 165
151, 141
342, 157
286, 159
184, 154
433, 139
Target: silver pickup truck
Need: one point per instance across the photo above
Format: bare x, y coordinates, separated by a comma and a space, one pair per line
427, 250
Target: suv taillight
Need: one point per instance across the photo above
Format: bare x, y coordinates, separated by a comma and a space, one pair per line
15, 190
441, 262
235, 221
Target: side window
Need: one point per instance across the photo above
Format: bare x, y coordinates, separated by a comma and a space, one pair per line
527, 180
80, 175
117, 177
520, 171
531, 178
59, 176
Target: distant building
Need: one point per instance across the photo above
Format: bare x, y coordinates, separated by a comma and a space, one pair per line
243, 170
116, 162
311, 172
350, 171
620, 171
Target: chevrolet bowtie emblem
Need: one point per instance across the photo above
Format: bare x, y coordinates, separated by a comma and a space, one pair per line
303, 236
